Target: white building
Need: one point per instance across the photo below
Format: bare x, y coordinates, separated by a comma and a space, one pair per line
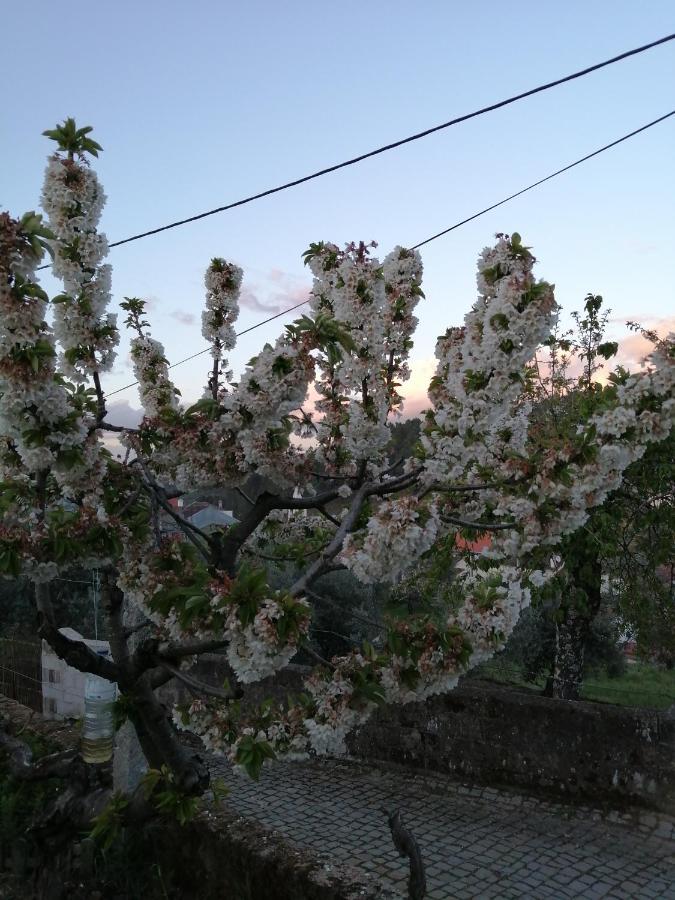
63, 686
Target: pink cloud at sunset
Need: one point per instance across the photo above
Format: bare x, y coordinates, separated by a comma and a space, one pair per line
633, 347
632, 350
414, 391
281, 292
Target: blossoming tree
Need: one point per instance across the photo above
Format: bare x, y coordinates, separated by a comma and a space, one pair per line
65, 501
625, 540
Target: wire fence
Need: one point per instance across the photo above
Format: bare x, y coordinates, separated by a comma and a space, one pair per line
21, 672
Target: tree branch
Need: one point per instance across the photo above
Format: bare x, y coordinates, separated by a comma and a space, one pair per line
269, 558
479, 526
305, 502
76, 653
160, 742
242, 493
108, 426
22, 766
324, 512
317, 656
191, 532
169, 651
200, 687
100, 399
318, 566
463, 488
357, 616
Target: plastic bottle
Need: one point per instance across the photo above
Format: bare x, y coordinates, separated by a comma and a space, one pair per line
98, 730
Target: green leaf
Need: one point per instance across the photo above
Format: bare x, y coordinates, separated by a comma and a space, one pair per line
608, 349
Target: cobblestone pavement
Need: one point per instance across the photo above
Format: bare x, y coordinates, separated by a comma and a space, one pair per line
476, 842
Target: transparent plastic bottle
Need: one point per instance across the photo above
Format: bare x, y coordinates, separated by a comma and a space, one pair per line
98, 730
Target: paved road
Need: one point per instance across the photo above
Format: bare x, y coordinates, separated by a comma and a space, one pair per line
476, 842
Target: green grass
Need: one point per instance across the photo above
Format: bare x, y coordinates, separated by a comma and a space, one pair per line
641, 685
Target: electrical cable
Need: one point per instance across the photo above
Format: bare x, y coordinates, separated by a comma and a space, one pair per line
392, 146
471, 218
208, 349
535, 184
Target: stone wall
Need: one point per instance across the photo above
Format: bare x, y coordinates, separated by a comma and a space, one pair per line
504, 736
217, 854
499, 735
221, 855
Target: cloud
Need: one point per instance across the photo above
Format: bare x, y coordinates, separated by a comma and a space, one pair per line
121, 412
152, 303
632, 350
250, 300
414, 390
633, 347
184, 318
276, 301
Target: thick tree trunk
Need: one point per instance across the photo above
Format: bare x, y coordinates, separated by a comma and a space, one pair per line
579, 607
161, 743
568, 671
159, 740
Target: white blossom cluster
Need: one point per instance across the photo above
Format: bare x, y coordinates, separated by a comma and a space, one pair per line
251, 431
573, 482
357, 392
493, 603
223, 282
139, 579
73, 199
432, 678
151, 370
335, 714
273, 386
224, 736
284, 527
256, 651
35, 413
479, 376
399, 531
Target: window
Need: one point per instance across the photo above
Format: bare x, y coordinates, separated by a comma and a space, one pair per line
54, 676
50, 703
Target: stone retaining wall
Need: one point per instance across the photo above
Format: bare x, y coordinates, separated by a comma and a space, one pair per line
221, 855
217, 854
498, 735
482, 732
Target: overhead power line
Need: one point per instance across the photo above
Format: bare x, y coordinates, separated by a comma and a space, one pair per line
401, 142
535, 184
407, 140
445, 231
208, 349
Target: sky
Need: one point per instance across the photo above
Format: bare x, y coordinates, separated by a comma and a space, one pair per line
198, 104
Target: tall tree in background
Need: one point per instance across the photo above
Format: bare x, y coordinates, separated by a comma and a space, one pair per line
632, 531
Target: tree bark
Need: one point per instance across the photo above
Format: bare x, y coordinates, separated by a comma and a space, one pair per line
161, 743
579, 608
568, 671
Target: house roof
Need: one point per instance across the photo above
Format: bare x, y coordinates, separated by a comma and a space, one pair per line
211, 516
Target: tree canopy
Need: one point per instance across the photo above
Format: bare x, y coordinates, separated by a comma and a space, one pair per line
480, 468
